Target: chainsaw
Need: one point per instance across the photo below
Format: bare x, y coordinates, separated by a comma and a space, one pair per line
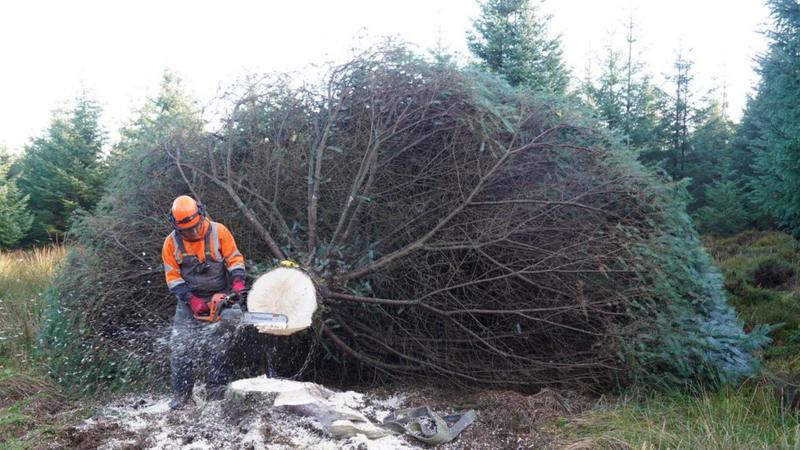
227, 303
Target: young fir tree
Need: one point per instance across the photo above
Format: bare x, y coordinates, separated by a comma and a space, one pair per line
172, 118
678, 117
15, 220
608, 95
510, 38
725, 211
626, 99
62, 171
643, 100
710, 143
774, 116
170, 111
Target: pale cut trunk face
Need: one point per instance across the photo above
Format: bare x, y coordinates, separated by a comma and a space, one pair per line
284, 291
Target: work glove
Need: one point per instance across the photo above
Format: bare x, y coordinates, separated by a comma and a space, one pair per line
197, 305
237, 286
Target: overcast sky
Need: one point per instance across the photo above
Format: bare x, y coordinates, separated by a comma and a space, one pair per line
117, 50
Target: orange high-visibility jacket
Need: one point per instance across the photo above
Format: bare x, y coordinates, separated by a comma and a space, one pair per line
223, 248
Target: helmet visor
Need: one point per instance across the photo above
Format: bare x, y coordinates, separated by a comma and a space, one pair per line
192, 233
187, 220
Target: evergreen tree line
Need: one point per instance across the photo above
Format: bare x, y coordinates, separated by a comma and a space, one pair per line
738, 175
65, 172
60, 173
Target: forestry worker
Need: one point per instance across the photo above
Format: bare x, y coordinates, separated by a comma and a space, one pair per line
200, 259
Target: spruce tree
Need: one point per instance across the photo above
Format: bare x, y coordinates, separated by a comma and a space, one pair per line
62, 171
510, 38
15, 220
608, 94
170, 111
710, 143
625, 98
642, 101
678, 117
172, 118
725, 212
773, 118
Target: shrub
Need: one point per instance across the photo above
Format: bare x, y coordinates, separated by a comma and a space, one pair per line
773, 272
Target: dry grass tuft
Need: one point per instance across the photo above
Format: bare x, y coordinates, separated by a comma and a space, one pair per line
24, 276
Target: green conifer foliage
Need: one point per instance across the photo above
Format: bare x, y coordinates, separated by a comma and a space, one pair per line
608, 94
141, 176
62, 171
169, 120
510, 38
725, 211
625, 98
775, 115
15, 220
678, 117
709, 159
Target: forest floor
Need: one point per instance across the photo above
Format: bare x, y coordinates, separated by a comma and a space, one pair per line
505, 420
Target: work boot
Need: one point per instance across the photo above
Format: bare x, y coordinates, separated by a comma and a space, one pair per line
179, 401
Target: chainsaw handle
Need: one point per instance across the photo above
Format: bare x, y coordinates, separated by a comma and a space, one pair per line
212, 315
215, 306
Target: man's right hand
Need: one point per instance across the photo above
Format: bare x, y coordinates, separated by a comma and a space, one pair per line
197, 305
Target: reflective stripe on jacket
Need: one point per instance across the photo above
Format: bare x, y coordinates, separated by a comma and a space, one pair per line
221, 248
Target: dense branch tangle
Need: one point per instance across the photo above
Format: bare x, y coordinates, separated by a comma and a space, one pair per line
456, 229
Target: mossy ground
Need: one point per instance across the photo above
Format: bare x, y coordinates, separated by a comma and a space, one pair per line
762, 280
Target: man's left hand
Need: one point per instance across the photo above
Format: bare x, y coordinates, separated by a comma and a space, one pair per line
237, 286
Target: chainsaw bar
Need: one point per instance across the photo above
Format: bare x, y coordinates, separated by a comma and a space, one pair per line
263, 319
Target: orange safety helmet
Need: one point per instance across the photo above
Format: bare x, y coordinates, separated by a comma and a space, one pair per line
186, 213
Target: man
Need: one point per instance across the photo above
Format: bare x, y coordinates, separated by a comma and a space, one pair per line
200, 259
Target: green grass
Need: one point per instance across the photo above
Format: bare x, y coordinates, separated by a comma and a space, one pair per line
762, 278
24, 275
28, 398
748, 417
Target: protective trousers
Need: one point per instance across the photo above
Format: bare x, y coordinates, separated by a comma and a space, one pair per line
193, 340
